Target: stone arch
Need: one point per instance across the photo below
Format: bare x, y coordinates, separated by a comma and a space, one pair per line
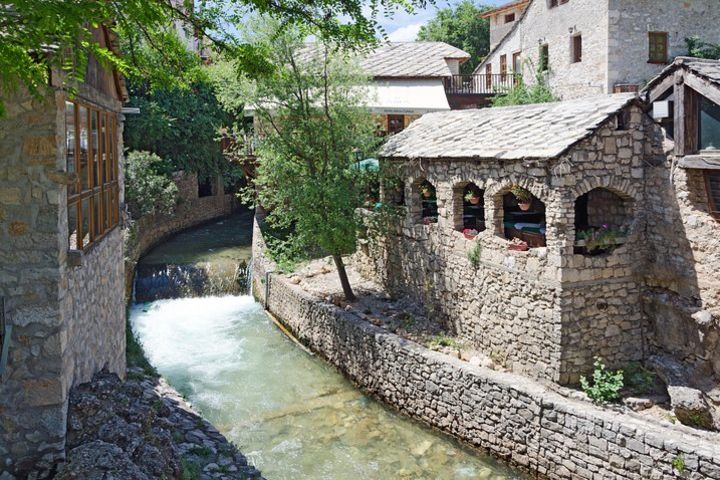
603, 218
498, 196
468, 206
424, 201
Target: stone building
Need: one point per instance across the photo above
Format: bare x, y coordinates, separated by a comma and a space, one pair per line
503, 19
587, 47
548, 310
62, 316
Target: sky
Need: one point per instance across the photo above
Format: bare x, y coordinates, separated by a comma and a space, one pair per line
403, 27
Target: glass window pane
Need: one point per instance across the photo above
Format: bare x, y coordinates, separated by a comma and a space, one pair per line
107, 210
95, 156
97, 218
70, 142
85, 224
709, 125
84, 165
73, 212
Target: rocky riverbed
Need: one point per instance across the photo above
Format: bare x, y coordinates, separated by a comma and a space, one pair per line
143, 429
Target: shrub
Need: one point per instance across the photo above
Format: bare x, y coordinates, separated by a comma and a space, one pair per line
605, 385
678, 463
523, 94
474, 255
149, 187
699, 49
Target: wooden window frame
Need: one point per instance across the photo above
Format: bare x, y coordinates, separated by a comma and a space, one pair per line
652, 41
576, 52
712, 205
102, 192
509, 18
544, 58
488, 77
503, 67
557, 3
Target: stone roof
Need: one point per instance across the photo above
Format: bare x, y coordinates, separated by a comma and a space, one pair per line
405, 59
707, 69
545, 130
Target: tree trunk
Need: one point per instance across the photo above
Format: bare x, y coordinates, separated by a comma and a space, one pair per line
347, 289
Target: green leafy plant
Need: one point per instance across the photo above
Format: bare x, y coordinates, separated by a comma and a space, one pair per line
149, 187
640, 379
523, 94
471, 195
699, 49
442, 340
599, 239
522, 194
678, 463
605, 385
474, 255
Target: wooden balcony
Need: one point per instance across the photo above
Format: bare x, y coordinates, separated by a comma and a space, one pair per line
481, 84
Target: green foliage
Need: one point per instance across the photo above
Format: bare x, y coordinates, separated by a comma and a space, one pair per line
475, 254
639, 379
149, 187
678, 463
135, 356
312, 120
39, 36
700, 49
599, 239
179, 124
523, 94
522, 194
463, 27
190, 470
442, 340
605, 386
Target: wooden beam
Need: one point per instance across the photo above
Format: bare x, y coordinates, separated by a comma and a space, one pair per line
679, 81
661, 89
703, 87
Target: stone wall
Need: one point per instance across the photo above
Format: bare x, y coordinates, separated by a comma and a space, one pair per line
614, 40
512, 417
630, 22
150, 230
545, 312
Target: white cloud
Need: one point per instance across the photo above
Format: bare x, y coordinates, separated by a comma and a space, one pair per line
408, 33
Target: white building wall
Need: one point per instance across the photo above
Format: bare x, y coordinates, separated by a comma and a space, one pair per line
555, 27
630, 22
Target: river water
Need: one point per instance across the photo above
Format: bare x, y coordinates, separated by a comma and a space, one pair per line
290, 413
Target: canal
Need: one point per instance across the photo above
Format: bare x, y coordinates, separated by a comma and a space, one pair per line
290, 413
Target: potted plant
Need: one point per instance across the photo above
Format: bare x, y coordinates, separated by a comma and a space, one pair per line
599, 240
426, 190
523, 196
470, 233
518, 245
472, 197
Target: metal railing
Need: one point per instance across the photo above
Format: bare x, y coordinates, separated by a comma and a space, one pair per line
481, 84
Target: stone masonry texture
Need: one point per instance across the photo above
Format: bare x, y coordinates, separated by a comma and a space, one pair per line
511, 416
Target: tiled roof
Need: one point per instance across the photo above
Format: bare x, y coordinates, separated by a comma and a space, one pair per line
505, 7
405, 59
543, 130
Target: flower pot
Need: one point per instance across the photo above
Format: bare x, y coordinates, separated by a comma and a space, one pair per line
524, 206
474, 200
426, 194
518, 247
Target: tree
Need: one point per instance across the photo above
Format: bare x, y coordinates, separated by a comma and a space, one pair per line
463, 27
313, 121
41, 35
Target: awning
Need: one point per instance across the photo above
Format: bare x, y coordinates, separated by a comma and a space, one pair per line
407, 97
701, 162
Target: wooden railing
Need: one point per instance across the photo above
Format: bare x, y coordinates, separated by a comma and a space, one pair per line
481, 84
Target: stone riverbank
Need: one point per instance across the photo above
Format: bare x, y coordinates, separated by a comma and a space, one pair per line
514, 418
142, 429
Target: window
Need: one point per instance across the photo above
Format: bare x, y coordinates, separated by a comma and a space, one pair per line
509, 18
488, 76
396, 123
576, 49
523, 218
516, 62
544, 63
93, 199
428, 203
503, 67
602, 220
468, 208
205, 187
555, 3
712, 182
709, 124
658, 47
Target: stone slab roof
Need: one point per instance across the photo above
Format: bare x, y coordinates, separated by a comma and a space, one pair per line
707, 69
545, 130
404, 59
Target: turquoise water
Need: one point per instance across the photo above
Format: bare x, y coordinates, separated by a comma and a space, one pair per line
290, 413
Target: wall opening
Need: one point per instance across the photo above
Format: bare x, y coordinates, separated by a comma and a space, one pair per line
425, 195
468, 209
523, 218
205, 187
602, 220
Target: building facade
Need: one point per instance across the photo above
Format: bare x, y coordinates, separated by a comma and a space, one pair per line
62, 315
587, 47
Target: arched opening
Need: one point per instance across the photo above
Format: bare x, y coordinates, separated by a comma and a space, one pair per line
469, 209
523, 219
602, 220
427, 201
